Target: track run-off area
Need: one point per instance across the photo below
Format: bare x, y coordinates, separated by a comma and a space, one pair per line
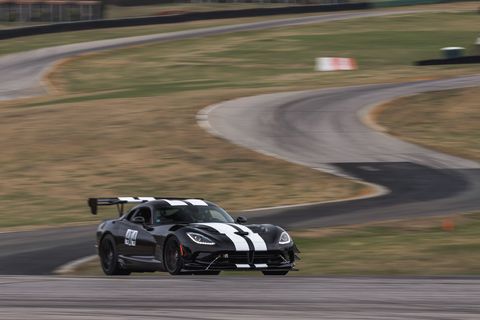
322, 129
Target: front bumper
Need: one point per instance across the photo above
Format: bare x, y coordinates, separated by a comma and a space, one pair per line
240, 260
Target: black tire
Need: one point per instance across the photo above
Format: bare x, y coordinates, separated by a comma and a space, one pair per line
171, 256
206, 273
109, 257
275, 273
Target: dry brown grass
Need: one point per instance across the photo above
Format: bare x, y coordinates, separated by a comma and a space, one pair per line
447, 121
62, 154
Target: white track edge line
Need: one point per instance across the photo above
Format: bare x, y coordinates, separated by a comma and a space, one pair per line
71, 266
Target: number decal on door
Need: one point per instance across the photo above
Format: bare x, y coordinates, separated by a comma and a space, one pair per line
131, 238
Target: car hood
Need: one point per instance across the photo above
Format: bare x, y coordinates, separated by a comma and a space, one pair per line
267, 232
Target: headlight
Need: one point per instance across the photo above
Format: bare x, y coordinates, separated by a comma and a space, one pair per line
200, 239
284, 238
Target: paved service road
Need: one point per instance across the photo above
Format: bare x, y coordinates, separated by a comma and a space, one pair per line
51, 298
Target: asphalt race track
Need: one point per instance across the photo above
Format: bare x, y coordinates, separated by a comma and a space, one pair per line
42, 251
326, 130
49, 298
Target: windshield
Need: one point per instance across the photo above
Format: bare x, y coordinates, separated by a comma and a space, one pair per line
191, 214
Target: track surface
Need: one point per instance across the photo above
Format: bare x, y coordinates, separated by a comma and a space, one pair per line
323, 129
42, 251
433, 191
52, 298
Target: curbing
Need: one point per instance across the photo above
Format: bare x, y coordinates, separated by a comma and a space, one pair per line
72, 266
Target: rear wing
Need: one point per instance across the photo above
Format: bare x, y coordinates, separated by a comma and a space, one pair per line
93, 203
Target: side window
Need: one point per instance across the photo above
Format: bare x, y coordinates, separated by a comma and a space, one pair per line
159, 213
132, 214
144, 212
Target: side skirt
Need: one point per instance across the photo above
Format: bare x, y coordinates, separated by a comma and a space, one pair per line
140, 263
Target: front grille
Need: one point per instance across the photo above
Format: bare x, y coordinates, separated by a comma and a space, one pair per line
253, 257
238, 257
244, 257
268, 257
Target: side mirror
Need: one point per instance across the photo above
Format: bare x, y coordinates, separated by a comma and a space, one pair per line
139, 220
241, 220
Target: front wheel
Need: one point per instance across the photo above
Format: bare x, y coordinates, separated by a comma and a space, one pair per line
172, 257
275, 273
109, 258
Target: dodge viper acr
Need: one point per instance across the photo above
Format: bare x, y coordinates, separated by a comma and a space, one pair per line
187, 236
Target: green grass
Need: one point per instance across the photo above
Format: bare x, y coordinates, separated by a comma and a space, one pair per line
395, 250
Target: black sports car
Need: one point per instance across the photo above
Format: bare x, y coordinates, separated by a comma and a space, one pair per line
187, 236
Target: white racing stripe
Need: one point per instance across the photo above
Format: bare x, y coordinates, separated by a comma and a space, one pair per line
146, 198
261, 265
239, 242
243, 266
258, 243
129, 199
197, 202
175, 202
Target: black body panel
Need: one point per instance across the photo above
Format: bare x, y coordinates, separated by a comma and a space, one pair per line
140, 246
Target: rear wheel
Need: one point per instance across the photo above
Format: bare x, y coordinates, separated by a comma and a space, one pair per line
109, 257
172, 257
275, 273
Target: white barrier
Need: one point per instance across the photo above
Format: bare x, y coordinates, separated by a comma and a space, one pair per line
335, 64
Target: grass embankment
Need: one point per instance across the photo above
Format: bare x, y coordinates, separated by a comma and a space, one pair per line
123, 121
416, 247
448, 121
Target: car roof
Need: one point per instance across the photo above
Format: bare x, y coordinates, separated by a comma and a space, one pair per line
176, 202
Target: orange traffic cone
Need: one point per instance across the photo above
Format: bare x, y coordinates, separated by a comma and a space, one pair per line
448, 224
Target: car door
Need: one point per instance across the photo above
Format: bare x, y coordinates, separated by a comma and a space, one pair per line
137, 239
